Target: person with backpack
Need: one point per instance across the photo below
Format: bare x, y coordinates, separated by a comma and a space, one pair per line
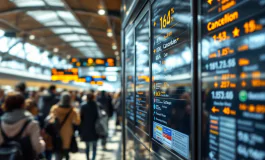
67, 116
89, 115
20, 133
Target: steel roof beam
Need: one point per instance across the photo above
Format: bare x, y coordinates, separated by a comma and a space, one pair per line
112, 13
63, 26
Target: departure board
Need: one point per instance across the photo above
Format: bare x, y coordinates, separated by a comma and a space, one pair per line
171, 75
129, 78
233, 82
93, 62
66, 75
142, 75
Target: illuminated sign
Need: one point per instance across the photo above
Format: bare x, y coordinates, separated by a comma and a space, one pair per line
171, 81
233, 82
99, 83
93, 62
66, 75
227, 18
95, 78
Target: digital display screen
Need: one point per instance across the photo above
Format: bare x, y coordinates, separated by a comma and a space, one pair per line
129, 78
93, 62
171, 75
233, 81
66, 75
95, 78
142, 76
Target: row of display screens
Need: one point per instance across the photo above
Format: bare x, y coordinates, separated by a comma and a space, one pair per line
93, 62
231, 78
71, 75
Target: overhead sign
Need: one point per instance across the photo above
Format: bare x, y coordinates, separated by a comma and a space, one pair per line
95, 78
66, 75
232, 70
93, 62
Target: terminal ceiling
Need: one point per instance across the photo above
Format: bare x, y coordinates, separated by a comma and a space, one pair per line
74, 27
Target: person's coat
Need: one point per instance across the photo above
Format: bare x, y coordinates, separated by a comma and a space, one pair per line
67, 129
12, 123
46, 102
106, 104
89, 115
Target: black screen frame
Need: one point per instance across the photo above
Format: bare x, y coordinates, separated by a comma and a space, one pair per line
194, 81
145, 11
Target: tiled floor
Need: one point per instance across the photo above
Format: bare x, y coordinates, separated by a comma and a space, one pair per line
113, 151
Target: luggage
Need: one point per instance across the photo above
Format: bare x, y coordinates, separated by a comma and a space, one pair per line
17, 148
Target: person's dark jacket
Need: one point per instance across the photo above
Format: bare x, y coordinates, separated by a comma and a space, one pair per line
106, 103
45, 104
1, 108
89, 115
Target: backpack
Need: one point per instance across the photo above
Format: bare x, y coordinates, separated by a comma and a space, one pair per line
53, 129
17, 148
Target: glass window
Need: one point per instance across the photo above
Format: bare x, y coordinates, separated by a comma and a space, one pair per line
33, 53
129, 78
18, 50
233, 82
34, 69
4, 44
142, 80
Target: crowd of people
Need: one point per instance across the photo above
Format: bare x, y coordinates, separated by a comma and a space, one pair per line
44, 124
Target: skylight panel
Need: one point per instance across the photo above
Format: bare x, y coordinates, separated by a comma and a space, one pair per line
43, 16
68, 18
79, 30
78, 44
86, 38
92, 44
72, 23
71, 37
90, 51
62, 30
83, 49
66, 15
54, 23
56, 3
27, 3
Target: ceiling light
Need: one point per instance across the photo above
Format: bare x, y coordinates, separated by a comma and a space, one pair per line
55, 50
109, 32
68, 56
101, 12
118, 58
31, 37
114, 47
116, 53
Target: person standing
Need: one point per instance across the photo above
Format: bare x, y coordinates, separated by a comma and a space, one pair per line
106, 103
89, 115
22, 88
117, 107
17, 121
2, 96
46, 101
60, 111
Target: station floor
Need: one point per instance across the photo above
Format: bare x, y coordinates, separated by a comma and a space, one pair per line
113, 151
